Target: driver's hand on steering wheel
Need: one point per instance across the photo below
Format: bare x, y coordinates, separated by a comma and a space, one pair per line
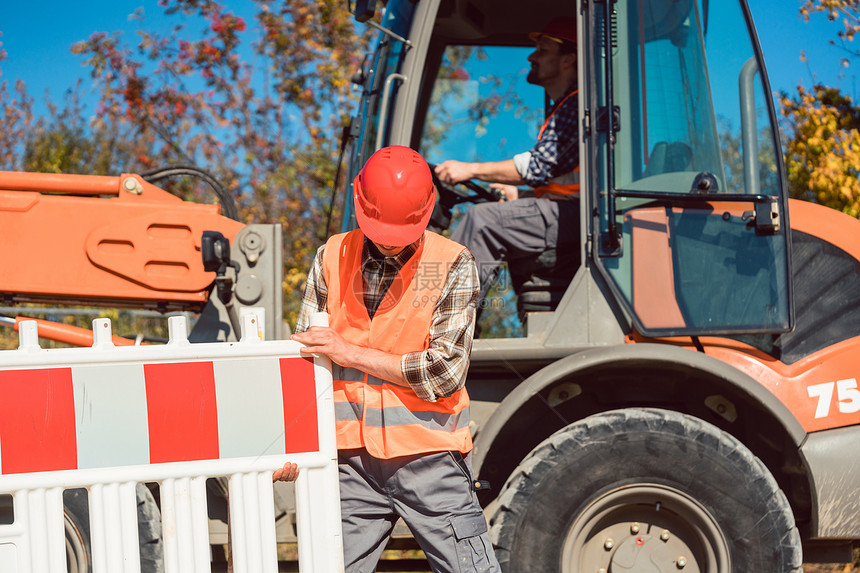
510, 192
452, 172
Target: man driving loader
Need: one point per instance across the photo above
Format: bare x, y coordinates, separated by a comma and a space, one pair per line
518, 229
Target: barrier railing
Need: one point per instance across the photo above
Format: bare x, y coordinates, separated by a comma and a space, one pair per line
107, 418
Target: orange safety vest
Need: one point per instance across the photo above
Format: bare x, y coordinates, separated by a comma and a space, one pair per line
387, 418
564, 186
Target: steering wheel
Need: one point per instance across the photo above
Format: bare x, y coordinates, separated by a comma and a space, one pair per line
452, 195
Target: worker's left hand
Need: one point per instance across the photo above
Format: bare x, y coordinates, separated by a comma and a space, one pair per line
324, 340
290, 472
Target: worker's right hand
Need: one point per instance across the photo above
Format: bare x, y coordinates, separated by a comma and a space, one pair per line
452, 172
511, 192
325, 340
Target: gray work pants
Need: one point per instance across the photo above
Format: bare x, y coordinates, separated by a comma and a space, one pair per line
433, 494
516, 231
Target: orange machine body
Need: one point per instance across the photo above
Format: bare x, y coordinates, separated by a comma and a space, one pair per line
821, 388
103, 240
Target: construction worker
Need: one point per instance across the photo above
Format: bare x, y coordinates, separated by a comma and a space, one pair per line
401, 306
519, 230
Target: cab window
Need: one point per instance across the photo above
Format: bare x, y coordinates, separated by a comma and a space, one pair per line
481, 108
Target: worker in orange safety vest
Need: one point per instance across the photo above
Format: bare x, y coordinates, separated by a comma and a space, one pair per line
401, 305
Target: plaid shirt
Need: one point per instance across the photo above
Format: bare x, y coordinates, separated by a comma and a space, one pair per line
557, 150
440, 370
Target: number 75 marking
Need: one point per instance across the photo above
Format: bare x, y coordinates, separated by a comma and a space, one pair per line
846, 392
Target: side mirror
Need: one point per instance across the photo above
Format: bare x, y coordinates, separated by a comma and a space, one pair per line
364, 10
215, 249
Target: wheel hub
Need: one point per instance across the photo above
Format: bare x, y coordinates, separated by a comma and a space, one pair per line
645, 529
643, 554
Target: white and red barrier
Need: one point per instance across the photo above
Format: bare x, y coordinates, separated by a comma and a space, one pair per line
106, 418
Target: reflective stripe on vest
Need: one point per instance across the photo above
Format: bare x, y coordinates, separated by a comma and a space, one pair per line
401, 416
385, 417
348, 412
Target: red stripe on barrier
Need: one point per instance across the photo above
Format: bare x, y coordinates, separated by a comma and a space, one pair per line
37, 421
182, 412
300, 405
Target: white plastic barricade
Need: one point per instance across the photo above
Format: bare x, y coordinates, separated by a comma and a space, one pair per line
106, 418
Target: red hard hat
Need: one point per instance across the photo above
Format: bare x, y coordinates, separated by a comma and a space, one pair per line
557, 29
394, 196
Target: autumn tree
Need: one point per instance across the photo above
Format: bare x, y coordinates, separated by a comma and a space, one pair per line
260, 105
16, 114
846, 10
822, 142
62, 139
823, 152
16, 119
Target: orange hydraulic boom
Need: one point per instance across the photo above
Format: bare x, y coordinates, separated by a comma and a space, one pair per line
103, 240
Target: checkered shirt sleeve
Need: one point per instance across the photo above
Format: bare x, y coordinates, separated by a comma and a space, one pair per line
440, 370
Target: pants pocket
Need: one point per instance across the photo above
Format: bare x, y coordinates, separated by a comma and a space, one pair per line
474, 552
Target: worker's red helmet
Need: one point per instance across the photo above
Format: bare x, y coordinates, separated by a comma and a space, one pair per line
394, 196
557, 29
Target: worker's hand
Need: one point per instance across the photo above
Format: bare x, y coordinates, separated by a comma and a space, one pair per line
452, 172
511, 192
324, 340
290, 472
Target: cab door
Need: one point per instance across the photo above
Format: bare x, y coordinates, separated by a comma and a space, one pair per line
691, 222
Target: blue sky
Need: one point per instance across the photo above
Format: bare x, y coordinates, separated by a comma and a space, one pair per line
37, 36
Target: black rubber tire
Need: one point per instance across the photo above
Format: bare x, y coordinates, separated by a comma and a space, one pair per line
540, 522
77, 528
149, 532
77, 524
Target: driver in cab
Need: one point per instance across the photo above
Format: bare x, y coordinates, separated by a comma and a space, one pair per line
521, 227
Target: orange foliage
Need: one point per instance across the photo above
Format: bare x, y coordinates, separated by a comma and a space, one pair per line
259, 102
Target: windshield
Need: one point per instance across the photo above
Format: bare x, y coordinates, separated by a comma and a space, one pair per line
481, 107
692, 100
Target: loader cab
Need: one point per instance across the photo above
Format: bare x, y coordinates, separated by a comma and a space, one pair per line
685, 224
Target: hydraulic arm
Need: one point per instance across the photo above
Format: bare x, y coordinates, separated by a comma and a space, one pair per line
90, 239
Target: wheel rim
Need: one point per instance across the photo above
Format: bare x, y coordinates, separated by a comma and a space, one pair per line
647, 528
76, 552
